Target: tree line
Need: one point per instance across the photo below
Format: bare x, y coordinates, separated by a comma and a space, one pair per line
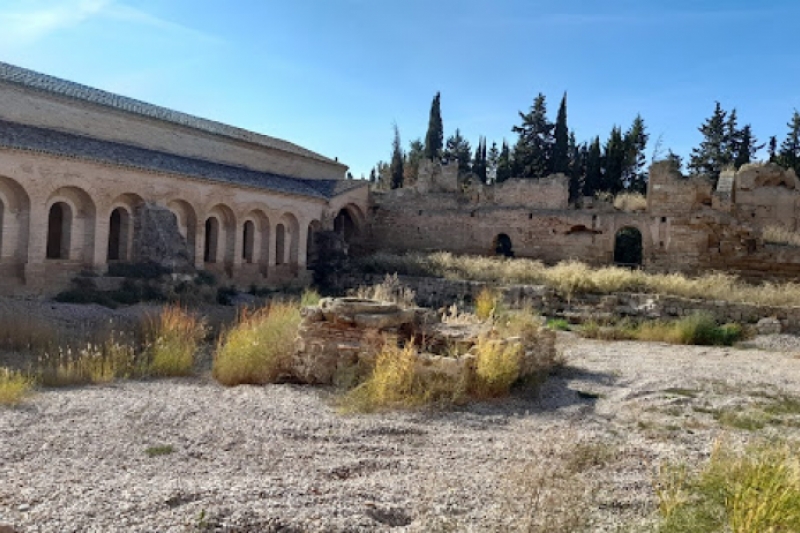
544, 147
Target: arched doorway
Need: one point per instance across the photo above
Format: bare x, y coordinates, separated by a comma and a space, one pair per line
312, 250
502, 245
210, 250
628, 247
345, 225
59, 224
280, 244
119, 227
248, 241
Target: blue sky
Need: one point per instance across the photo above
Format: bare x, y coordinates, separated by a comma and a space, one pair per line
334, 75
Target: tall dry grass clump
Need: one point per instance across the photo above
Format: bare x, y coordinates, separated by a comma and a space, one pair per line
258, 349
752, 492
90, 364
174, 337
14, 387
486, 303
497, 367
780, 235
630, 202
389, 290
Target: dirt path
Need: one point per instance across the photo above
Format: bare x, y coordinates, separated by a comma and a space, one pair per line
190, 455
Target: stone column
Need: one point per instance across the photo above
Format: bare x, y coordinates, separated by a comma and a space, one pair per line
34, 269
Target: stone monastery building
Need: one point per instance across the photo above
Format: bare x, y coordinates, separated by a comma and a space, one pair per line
89, 178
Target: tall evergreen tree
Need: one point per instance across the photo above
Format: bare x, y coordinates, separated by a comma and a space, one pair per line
576, 167
561, 146
396, 166
372, 176
434, 138
789, 154
713, 154
458, 149
745, 146
675, 160
416, 152
479, 164
491, 163
593, 178
635, 172
534, 148
772, 150
504, 164
615, 158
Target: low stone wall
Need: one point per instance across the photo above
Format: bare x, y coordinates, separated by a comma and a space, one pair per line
341, 336
439, 292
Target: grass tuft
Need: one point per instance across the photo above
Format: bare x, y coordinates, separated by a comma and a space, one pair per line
175, 336
258, 349
162, 449
91, 364
485, 304
752, 492
697, 329
497, 367
14, 387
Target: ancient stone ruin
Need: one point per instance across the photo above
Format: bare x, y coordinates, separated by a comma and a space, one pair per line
343, 334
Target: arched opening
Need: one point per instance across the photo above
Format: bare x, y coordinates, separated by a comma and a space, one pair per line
628, 247
59, 225
280, 244
502, 246
187, 224
312, 249
248, 241
2, 225
211, 248
119, 229
345, 225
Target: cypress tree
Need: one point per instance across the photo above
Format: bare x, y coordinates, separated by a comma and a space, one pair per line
492, 162
592, 181
576, 167
434, 138
504, 164
561, 153
396, 166
458, 149
615, 157
635, 173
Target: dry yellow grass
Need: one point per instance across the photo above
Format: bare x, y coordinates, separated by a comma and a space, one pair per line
497, 367
630, 202
91, 364
258, 349
485, 303
574, 277
780, 235
14, 386
175, 335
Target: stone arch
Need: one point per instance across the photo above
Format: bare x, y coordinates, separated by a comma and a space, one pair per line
186, 217
260, 240
15, 207
248, 241
502, 245
628, 246
122, 227
70, 228
349, 222
312, 253
287, 240
221, 241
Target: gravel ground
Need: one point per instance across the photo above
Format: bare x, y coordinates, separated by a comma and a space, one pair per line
190, 455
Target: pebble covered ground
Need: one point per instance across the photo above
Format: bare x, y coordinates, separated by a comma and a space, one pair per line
191, 455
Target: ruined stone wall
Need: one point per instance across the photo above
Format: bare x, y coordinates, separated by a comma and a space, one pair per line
36, 108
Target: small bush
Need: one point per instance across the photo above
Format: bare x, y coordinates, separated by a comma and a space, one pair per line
390, 290
697, 329
14, 386
485, 303
752, 492
309, 298
558, 324
497, 367
174, 337
258, 349
162, 449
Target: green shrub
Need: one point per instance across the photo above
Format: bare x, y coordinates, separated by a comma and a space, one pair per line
14, 387
558, 324
753, 492
309, 298
258, 349
174, 337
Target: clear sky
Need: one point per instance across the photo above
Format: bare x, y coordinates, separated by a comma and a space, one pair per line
334, 75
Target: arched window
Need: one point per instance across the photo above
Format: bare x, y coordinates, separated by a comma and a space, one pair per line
248, 241
212, 240
59, 224
502, 245
118, 233
280, 244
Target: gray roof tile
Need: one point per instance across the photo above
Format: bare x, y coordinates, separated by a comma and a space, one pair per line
30, 138
51, 84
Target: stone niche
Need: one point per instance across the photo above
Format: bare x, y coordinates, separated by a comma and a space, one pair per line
347, 333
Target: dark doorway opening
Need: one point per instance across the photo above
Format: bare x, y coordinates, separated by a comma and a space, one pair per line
58, 226
628, 247
502, 246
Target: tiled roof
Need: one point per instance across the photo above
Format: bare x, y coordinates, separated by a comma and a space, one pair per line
30, 138
51, 84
